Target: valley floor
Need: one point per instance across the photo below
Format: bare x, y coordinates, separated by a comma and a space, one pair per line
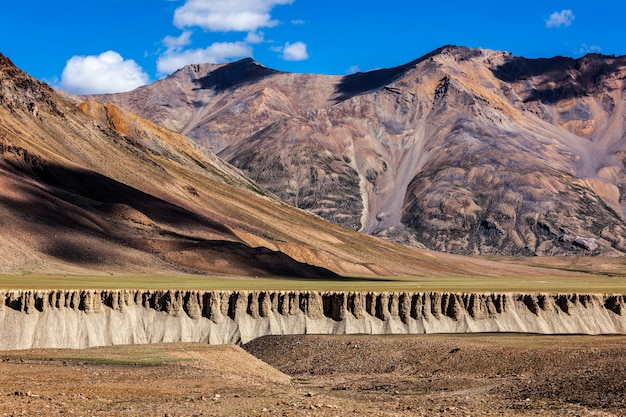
424, 375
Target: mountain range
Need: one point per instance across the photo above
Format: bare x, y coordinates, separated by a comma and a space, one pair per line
89, 188
467, 151
463, 150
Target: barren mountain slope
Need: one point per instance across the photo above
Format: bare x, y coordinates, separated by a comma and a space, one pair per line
466, 151
218, 104
94, 188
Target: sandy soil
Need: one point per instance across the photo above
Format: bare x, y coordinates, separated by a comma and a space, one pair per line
446, 375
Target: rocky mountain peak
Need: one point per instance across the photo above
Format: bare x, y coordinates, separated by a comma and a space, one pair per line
20, 91
582, 74
365, 82
460, 53
5, 62
9, 72
222, 77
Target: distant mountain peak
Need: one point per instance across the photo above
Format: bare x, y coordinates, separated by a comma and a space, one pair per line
220, 77
364, 82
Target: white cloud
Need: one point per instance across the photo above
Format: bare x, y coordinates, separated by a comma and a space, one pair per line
353, 69
104, 73
295, 51
227, 15
298, 22
217, 53
585, 49
176, 43
563, 18
255, 37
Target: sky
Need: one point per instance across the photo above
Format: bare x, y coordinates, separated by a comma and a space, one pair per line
84, 46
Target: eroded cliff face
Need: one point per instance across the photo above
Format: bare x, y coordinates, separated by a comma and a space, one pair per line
86, 318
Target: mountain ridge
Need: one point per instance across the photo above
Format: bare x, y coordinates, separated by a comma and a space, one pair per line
463, 150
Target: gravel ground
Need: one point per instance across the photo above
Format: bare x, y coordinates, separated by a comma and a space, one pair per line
427, 375
459, 374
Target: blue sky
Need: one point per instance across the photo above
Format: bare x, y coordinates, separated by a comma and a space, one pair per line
114, 45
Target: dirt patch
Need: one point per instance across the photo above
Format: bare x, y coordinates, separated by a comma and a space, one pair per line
155, 380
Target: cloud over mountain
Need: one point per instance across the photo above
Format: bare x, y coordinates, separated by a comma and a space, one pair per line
178, 42
563, 18
295, 51
108, 72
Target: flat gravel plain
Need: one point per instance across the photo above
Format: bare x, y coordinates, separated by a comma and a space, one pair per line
423, 375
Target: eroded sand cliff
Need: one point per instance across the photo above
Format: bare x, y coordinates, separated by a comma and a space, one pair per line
85, 318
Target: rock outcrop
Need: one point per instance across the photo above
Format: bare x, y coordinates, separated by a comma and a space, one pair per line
84, 318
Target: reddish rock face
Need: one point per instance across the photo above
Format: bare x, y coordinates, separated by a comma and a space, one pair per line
463, 150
